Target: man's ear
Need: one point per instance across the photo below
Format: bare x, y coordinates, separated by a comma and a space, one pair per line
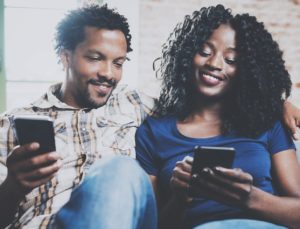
65, 57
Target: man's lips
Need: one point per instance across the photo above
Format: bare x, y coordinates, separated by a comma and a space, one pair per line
102, 87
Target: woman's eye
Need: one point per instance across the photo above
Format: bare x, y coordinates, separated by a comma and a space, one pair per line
204, 53
231, 61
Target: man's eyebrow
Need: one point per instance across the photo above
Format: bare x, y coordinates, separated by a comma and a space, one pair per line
92, 51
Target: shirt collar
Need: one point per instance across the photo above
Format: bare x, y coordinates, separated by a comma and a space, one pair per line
49, 99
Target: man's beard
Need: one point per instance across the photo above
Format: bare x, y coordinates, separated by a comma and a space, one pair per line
88, 102
86, 98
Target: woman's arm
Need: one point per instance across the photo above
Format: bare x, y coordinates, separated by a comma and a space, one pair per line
291, 117
170, 214
233, 186
284, 209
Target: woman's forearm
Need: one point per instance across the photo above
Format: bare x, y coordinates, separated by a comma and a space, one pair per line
280, 210
171, 215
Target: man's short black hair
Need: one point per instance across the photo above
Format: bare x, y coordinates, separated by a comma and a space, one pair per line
70, 31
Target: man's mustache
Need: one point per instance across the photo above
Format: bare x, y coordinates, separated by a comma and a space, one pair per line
103, 80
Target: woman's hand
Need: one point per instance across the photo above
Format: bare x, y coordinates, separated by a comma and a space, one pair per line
181, 177
229, 186
291, 117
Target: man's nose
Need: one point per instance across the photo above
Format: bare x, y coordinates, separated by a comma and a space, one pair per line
106, 70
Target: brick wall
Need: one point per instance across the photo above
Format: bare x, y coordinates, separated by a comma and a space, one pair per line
159, 17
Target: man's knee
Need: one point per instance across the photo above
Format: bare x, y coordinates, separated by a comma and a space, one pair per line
119, 168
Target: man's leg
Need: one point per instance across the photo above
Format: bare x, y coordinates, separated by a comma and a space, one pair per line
239, 223
116, 193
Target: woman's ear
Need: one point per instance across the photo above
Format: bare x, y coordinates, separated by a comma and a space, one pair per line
65, 56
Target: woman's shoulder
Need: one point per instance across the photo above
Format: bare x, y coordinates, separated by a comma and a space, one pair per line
158, 124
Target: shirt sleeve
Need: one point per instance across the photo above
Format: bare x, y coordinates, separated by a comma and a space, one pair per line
7, 142
144, 149
147, 105
279, 139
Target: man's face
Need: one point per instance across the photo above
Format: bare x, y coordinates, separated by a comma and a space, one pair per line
94, 68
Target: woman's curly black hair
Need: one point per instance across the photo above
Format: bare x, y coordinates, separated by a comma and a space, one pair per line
262, 79
70, 31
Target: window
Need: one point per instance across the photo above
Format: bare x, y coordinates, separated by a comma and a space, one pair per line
30, 61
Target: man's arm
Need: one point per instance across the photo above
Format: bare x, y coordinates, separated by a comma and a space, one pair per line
291, 117
25, 171
10, 201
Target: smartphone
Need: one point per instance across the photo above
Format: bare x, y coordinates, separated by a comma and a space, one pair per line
208, 156
35, 128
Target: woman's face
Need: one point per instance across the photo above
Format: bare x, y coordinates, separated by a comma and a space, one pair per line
215, 63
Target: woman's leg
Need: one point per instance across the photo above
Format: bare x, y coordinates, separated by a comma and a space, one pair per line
239, 224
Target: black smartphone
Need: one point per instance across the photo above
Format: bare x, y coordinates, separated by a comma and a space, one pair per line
35, 128
208, 156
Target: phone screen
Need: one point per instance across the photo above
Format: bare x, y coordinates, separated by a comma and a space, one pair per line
207, 156
35, 128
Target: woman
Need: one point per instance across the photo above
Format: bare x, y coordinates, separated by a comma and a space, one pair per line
223, 85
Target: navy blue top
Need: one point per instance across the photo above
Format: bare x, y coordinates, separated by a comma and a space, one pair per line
159, 145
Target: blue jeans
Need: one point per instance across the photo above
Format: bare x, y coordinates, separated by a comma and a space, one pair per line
239, 224
116, 193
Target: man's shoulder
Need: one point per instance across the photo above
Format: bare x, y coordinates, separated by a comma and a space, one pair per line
17, 111
126, 90
127, 94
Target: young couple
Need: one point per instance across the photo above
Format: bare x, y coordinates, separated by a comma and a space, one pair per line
223, 85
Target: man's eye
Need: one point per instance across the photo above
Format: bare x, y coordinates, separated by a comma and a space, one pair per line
94, 58
119, 65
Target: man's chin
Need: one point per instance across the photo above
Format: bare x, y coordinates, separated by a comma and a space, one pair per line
99, 102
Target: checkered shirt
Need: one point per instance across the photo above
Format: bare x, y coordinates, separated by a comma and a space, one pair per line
81, 137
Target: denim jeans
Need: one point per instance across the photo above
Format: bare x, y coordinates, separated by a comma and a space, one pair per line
116, 193
239, 224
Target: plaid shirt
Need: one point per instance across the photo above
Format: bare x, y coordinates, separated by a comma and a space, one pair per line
81, 136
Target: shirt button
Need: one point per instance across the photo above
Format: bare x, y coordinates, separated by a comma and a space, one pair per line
83, 129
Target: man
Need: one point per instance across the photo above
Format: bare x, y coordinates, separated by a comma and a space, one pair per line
93, 119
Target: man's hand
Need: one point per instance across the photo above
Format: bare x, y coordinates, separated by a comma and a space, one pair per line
28, 170
229, 186
292, 118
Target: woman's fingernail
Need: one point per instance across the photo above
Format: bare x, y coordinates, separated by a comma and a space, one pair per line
205, 170
218, 168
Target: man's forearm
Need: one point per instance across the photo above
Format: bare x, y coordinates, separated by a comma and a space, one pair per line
9, 203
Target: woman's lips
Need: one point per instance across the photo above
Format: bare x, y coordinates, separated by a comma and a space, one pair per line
210, 80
